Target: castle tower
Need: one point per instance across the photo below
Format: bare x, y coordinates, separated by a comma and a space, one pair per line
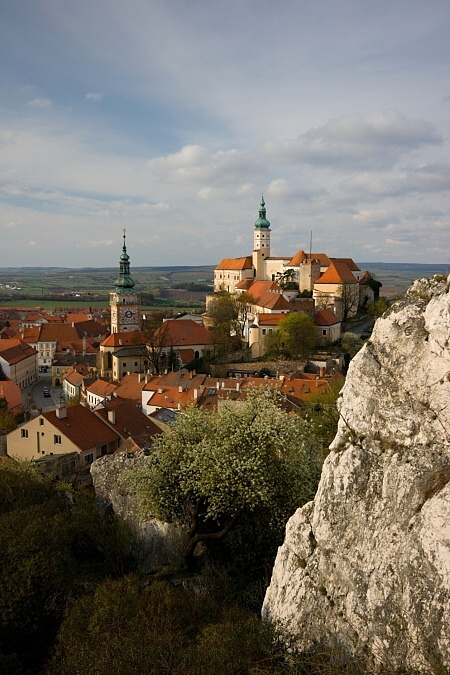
309, 273
124, 301
261, 241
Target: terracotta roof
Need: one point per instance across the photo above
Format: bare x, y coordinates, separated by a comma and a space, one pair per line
14, 350
171, 397
132, 338
326, 317
303, 389
244, 284
235, 263
130, 422
82, 427
337, 273
272, 319
102, 388
76, 318
352, 266
176, 379
130, 387
57, 332
267, 294
31, 335
185, 332
297, 259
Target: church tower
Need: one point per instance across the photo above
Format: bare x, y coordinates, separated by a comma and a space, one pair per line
124, 301
261, 241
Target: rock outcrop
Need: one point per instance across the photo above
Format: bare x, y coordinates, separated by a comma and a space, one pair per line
159, 543
367, 563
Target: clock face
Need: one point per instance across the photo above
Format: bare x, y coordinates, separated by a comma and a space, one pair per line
128, 314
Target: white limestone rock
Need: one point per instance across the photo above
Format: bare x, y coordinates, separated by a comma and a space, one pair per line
367, 563
159, 543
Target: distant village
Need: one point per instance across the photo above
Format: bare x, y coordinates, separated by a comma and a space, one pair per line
85, 387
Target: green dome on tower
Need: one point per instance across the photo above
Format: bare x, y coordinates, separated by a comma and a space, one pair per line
124, 283
262, 223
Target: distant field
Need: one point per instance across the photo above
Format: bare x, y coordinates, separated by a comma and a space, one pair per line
90, 287
396, 277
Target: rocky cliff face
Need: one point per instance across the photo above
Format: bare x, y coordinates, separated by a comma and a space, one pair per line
159, 543
368, 561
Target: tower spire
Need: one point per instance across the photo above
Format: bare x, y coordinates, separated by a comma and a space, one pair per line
124, 282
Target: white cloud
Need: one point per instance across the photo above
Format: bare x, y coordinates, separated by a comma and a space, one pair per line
11, 223
94, 96
40, 103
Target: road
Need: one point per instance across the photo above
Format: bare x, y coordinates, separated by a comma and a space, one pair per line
38, 400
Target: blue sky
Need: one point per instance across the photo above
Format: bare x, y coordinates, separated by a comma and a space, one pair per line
169, 118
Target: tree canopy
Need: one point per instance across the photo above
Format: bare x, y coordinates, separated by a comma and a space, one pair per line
210, 469
296, 337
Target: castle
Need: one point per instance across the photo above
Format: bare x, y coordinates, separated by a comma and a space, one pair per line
336, 286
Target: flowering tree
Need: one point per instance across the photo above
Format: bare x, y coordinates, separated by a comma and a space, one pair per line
209, 470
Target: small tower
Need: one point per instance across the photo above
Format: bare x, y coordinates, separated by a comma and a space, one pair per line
124, 301
309, 273
261, 241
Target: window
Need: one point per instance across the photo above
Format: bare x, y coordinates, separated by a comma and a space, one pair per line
263, 331
41, 422
324, 331
24, 433
103, 449
88, 459
57, 439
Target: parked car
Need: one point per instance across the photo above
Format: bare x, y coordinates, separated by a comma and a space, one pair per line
46, 392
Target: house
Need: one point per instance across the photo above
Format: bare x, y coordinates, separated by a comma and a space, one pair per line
126, 419
10, 391
72, 429
114, 343
98, 391
19, 361
187, 338
328, 326
338, 289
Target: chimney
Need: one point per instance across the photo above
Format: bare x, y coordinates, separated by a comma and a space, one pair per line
61, 412
223, 385
217, 384
120, 342
322, 371
238, 386
195, 394
159, 390
112, 416
84, 345
146, 378
73, 324
139, 377
180, 388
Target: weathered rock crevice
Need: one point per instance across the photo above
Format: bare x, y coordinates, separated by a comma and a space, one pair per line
378, 578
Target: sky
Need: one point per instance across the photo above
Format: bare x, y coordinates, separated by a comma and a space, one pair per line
170, 118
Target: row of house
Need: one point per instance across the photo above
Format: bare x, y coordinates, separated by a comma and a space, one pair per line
128, 415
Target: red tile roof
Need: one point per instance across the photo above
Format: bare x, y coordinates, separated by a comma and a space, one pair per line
235, 263
82, 427
352, 266
182, 332
133, 338
267, 294
337, 273
326, 317
130, 422
14, 350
